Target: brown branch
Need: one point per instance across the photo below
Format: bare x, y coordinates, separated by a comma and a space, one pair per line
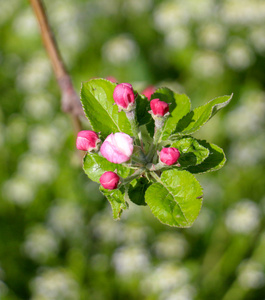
70, 101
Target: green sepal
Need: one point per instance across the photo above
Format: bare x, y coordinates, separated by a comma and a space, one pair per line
116, 200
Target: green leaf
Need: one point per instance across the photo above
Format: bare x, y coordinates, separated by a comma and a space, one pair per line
175, 199
191, 151
213, 162
116, 200
137, 190
179, 107
95, 165
195, 119
97, 100
142, 108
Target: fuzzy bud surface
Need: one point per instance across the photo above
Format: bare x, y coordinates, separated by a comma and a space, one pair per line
169, 156
87, 140
109, 180
123, 95
117, 148
159, 108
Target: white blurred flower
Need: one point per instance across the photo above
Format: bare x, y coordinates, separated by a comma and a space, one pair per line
18, 190
105, 229
35, 74
200, 10
119, 50
39, 106
251, 12
244, 217
170, 14
54, 284
239, 56
25, 24
257, 38
251, 275
245, 153
40, 244
66, 219
247, 119
177, 38
43, 139
170, 246
7, 9
212, 35
37, 168
164, 278
186, 292
130, 260
204, 221
207, 64
135, 234
132, 7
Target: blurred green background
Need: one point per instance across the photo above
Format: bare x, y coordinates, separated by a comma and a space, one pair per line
58, 240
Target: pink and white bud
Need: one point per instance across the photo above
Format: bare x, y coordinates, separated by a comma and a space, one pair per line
159, 108
169, 156
87, 140
148, 92
124, 96
109, 180
117, 148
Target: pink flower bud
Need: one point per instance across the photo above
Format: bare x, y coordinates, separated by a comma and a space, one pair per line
117, 148
159, 108
109, 180
149, 91
123, 95
87, 140
169, 156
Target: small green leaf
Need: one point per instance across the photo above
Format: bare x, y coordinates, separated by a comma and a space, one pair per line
142, 108
175, 199
98, 104
213, 162
137, 190
191, 151
116, 200
195, 119
179, 107
95, 165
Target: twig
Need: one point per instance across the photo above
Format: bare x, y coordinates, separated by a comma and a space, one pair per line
69, 99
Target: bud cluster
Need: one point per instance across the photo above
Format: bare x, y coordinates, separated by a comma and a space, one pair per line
119, 147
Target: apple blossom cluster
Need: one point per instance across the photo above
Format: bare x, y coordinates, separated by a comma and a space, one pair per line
119, 147
140, 148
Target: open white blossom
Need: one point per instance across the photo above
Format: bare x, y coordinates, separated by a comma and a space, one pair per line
40, 244
212, 35
177, 38
170, 246
39, 107
239, 55
37, 168
18, 190
25, 24
251, 275
54, 284
120, 49
130, 260
244, 217
164, 278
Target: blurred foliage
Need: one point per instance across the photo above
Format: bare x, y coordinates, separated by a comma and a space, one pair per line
58, 239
